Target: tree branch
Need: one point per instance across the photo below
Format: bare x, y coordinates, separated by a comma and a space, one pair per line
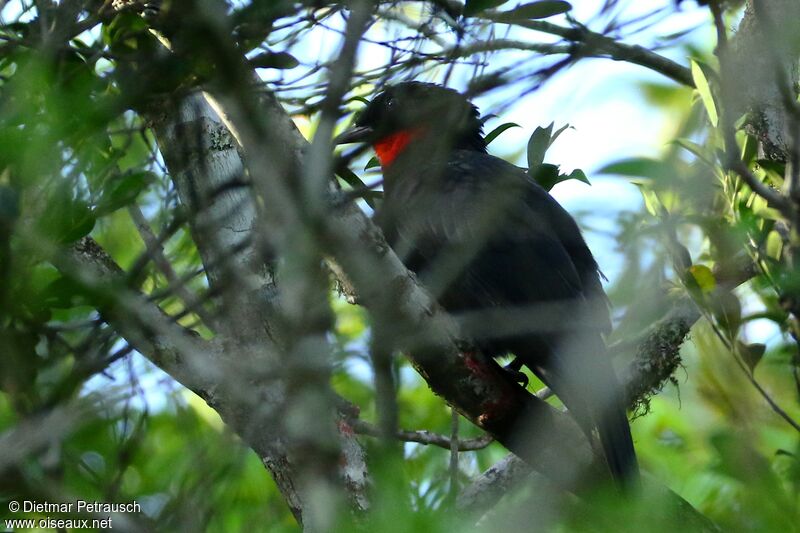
591, 44
425, 437
764, 52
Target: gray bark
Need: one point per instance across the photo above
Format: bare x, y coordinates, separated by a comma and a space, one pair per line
205, 163
764, 72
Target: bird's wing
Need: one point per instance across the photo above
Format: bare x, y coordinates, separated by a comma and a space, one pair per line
569, 235
518, 246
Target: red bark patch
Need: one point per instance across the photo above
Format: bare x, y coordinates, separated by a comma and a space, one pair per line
345, 428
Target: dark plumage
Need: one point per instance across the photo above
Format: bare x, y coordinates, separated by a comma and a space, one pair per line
483, 236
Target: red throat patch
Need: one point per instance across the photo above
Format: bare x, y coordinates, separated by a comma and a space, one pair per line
388, 148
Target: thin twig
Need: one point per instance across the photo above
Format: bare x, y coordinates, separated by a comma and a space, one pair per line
454, 453
773, 197
592, 43
156, 252
748, 373
425, 437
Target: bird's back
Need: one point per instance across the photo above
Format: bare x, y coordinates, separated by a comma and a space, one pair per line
482, 235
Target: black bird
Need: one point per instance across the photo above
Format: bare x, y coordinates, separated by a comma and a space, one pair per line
486, 239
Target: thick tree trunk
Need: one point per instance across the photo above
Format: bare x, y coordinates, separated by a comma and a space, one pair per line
204, 160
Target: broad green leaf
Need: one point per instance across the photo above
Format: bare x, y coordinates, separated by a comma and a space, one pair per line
545, 175
276, 60
486, 82
548, 176
774, 245
704, 89
473, 7
640, 167
749, 149
773, 171
752, 354
762, 209
651, 201
82, 226
124, 31
727, 310
537, 145
492, 135
577, 174
536, 10
123, 191
67, 220
64, 293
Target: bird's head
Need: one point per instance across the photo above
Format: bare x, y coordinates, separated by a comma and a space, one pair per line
415, 111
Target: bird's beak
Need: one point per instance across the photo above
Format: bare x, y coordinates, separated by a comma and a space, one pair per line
355, 135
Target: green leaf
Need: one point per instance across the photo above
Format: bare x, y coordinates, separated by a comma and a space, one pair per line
548, 176
545, 175
82, 224
774, 171
124, 31
695, 149
749, 149
372, 163
651, 201
124, 191
492, 135
761, 208
704, 89
486, 82
577, 174
538, 144
728, 311
67, 220
361, 99
473, 7
640, 167
277, 60
535, 10
63, 293
752, 354
774, 245
558, 132
354, 181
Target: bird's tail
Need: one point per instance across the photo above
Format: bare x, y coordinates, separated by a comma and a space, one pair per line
617, 442
587, 385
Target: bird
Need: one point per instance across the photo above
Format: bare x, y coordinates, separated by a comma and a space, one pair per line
486, 239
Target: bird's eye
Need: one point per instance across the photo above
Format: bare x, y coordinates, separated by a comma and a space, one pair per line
391, 103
